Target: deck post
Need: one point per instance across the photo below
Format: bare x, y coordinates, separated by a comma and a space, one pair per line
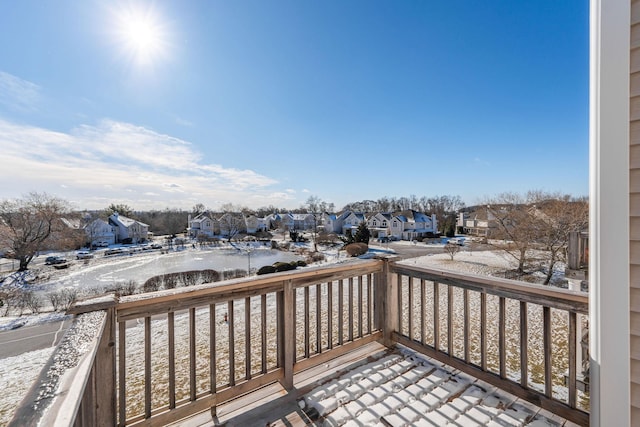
387, 301
105, 372
287, 311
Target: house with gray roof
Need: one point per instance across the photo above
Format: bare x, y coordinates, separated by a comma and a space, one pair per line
128, 230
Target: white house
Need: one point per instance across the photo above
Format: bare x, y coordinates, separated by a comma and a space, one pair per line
303, 221
255, 224
379, 224
409, 225
203, 224
127, 228
100, 233
351, 221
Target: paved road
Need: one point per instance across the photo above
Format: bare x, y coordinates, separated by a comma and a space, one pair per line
30, 338
404, 251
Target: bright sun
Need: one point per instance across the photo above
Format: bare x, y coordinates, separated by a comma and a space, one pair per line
142, 36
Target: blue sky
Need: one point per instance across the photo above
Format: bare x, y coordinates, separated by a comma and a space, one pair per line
168, 104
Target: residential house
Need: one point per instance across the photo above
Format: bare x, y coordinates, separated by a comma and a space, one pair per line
303, 221
203, 224
380, 224
100, 233
332, 223
128, 230
286, 221
480, 222
255, 224
410, 225
352, 221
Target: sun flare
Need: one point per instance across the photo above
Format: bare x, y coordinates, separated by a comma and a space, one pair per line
142, 36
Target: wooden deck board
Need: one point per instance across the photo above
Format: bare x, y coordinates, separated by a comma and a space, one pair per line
273, 406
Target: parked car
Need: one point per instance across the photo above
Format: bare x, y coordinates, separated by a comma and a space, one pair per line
456, 241
53, 260
156, 246
114, 251
84, 255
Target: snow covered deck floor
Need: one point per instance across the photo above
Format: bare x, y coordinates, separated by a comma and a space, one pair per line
377, 386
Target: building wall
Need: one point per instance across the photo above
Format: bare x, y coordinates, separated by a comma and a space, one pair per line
634, 212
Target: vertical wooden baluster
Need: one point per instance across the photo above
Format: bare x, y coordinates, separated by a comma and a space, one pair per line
247, 338
410, 334
524, 345
360, 300
350, 301
147, 367
465, 298
288, 314
423, 314
122, 352
212, 355
340, 312
450, 320
232, 345
280, 326
263, 314
318, 318
502, 338
483, 330
399, 296
192, 354
436, 316
330, 315
171, 332
369, 303
546, 325
572, 358
306, 322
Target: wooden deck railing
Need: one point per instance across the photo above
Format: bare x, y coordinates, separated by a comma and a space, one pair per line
517, 336
170, 354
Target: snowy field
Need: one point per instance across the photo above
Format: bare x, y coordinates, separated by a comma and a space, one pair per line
479, 263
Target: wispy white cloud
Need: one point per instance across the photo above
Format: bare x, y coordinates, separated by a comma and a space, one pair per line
122, 162
18, 94
183, 122
479, 161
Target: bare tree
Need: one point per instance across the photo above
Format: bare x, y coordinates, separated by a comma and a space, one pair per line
231, 224
558, 215
534, 229
516, 227
198, 209
32, 223
451, 249
315, 206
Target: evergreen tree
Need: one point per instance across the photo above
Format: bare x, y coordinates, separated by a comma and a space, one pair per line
362, 233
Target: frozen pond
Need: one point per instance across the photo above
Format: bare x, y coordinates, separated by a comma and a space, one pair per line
102, 272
